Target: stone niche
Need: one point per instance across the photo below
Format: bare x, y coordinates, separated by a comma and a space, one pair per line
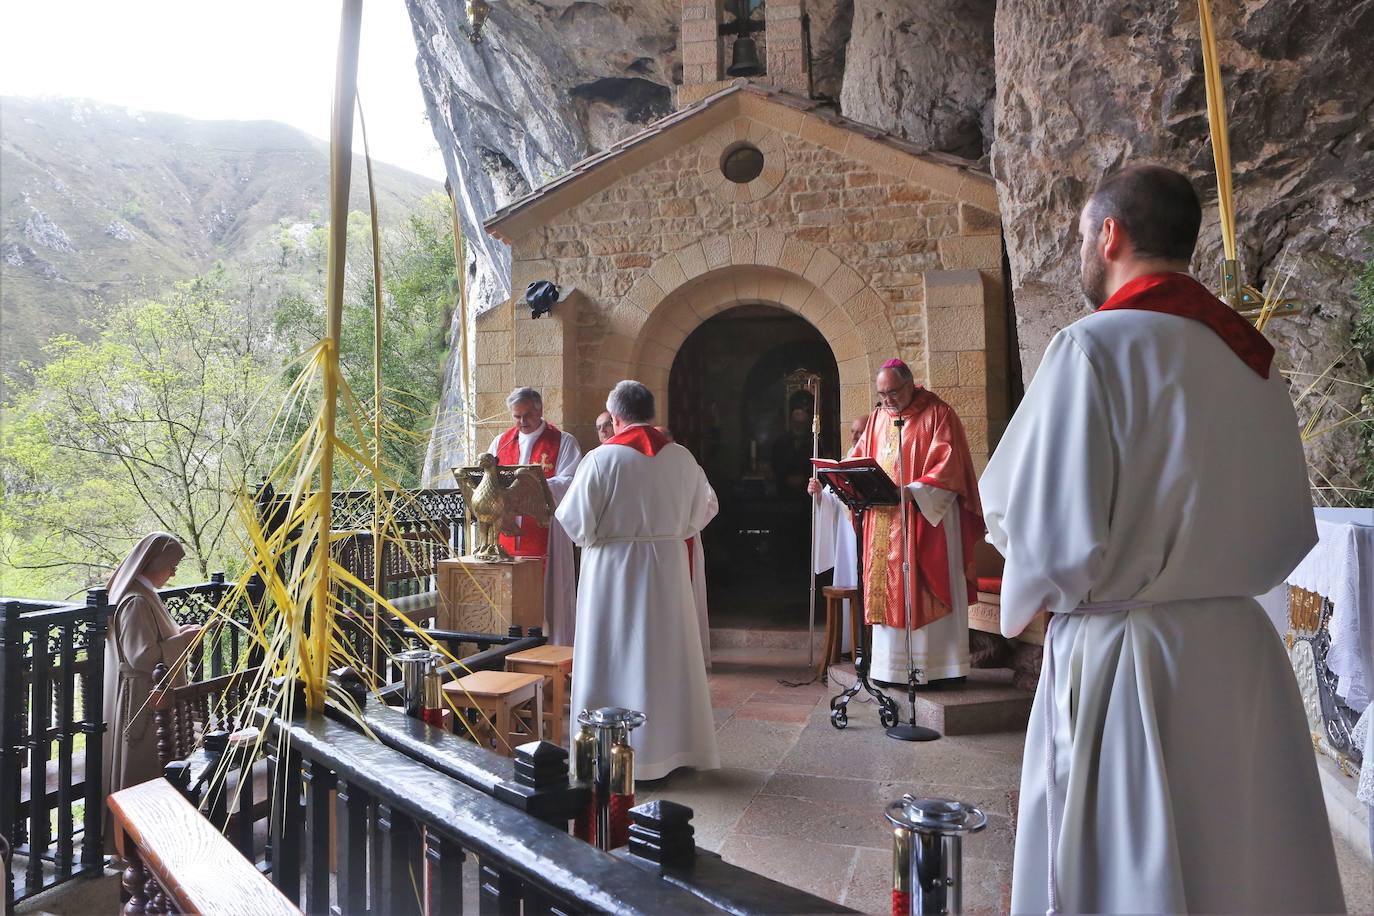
883, 249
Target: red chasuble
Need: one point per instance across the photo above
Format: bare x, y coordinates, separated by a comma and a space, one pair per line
935, 453
533, 539
1179, 294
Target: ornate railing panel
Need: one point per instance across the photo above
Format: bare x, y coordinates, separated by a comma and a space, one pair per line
51, 733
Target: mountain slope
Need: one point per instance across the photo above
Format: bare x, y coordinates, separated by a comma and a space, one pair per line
95, 200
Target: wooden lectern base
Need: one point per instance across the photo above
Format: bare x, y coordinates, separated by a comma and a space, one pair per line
480, 597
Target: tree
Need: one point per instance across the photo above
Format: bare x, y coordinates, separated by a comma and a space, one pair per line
418, 280
154, 424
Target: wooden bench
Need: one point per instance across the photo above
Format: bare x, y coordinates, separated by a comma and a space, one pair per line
176, 861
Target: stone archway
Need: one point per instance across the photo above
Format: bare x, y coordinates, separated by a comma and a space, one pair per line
683, 289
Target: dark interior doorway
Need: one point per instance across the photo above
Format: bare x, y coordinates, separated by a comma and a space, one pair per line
729, 402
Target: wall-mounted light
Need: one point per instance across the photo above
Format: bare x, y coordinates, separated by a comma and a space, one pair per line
478, 10
540, 296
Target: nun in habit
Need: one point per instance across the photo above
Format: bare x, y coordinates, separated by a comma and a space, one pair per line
141, 636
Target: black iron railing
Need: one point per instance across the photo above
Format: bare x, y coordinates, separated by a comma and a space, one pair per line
51, 729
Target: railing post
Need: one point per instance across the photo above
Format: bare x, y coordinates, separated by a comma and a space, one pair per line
662, 832
541, 788
352, 818
40, 824
444, 860
319, 783
401, 864
284, 777
12, 696
93, 725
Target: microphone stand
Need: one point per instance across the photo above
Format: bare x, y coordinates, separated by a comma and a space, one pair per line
907, 731
814, 385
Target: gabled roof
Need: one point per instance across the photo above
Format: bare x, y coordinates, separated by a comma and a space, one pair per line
953, 175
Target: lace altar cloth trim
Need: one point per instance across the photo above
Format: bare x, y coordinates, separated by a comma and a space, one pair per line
1334, 569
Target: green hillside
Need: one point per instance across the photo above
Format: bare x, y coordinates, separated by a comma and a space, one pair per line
96, 200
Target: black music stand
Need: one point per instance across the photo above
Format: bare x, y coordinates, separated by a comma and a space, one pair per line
859, 488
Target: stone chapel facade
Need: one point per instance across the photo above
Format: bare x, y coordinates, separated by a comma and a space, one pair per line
886, 250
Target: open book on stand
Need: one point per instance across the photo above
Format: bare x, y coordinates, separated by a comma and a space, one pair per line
858, 482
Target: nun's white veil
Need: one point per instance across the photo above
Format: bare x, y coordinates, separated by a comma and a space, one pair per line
159, 545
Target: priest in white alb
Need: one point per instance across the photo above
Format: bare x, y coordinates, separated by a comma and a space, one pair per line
943, 522
631, 508
696, 555
533, 440
1151, 483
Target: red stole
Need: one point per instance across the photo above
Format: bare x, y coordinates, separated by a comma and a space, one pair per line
644, 439
533, 539
1179, 294
935, 453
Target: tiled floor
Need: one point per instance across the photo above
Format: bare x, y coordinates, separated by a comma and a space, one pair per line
802, 803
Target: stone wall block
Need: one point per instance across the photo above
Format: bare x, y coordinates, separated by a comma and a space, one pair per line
770, 286
493, 347
938, 178
742, 248
948, 288
865, 305
971, 252
843, 284
973, 368
538, 337
768, 245
626, 319
646, 293
796, 256
667, 272
977, 221
954, 329
692, 260
823, 264
943, 371
877, 335
847, 346
717, 251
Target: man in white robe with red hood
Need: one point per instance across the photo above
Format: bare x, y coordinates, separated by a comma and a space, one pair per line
534, 440
632, 506
1151, 483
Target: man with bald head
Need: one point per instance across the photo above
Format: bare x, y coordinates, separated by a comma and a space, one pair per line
605, 426
943, 522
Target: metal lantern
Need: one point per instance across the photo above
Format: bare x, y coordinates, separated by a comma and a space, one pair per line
927, 866
415, 664
613, 784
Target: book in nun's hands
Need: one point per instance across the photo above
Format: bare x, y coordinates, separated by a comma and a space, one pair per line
857, 482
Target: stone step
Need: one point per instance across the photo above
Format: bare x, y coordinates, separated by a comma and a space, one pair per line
985, 703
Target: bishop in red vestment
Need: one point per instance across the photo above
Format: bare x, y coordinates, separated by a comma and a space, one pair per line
944, 521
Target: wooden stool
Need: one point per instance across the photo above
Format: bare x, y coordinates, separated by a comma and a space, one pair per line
511, 707
554, 664
835, 597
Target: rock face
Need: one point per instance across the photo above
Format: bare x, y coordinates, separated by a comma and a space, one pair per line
1083, 86
924, 71
1080, 86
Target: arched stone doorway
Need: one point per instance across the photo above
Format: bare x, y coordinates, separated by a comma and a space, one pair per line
729, 403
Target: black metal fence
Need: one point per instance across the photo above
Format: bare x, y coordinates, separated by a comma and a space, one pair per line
51, 725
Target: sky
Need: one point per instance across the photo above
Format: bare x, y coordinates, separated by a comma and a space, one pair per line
244, 60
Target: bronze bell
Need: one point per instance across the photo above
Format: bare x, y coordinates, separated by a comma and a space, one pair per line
744, 58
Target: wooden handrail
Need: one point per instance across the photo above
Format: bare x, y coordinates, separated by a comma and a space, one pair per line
161, 837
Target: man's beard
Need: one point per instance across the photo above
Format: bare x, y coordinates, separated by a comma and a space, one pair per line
1094, 281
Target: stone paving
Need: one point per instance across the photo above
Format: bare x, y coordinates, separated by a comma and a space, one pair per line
802, 803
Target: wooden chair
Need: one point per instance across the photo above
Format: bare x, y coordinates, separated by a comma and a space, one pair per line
835, 597
554, 664
504, 709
